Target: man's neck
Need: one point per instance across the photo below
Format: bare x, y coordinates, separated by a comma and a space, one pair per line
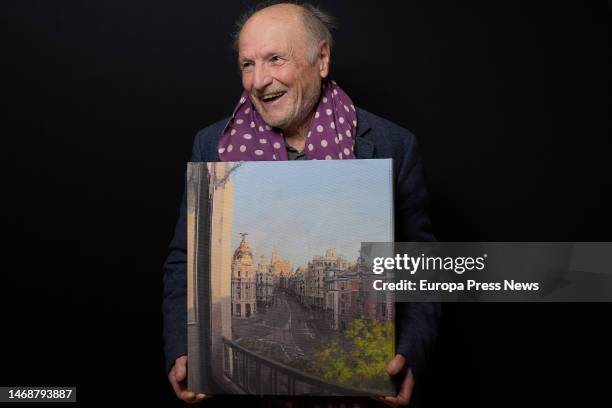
296, 137
297, 141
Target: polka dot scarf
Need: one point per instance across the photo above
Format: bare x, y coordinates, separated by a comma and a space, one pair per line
247, 137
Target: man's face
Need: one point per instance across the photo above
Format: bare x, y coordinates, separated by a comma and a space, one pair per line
273, 55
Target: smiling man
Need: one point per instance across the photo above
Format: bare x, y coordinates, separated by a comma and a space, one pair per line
283, 66
284, 55
291, 110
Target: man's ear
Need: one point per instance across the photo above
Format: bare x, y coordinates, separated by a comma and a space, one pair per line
324, 58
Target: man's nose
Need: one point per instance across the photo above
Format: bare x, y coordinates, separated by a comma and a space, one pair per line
261, 77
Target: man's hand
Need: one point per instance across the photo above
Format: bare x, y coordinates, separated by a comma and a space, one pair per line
399, 366
178, 379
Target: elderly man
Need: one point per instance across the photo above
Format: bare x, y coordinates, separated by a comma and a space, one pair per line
290, 110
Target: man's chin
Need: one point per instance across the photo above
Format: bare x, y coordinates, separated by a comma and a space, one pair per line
274, 122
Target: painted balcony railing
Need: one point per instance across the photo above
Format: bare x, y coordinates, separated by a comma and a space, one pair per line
255, 374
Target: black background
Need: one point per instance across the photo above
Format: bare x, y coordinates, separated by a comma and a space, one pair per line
509, 101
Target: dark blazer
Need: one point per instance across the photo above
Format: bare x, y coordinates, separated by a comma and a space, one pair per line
417, 323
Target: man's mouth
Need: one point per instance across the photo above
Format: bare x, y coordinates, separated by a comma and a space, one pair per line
271, 97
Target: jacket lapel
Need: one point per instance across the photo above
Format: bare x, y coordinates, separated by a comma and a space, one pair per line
364, 148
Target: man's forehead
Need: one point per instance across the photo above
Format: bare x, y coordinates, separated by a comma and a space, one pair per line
272, 41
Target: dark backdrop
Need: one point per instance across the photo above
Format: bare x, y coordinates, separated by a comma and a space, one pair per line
509, 101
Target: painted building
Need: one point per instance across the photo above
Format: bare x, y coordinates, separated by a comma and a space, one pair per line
315, 276
265, 283
244, 285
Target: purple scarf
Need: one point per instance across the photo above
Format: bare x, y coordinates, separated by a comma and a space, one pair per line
247, 137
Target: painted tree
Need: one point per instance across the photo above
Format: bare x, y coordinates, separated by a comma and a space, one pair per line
359, 357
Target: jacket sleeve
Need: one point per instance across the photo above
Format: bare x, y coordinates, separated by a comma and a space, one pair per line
417, 323
174, 304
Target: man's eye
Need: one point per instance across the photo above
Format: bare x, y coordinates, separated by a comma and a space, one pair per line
275, 58
246, 65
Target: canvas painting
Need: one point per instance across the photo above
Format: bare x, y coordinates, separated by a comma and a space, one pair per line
280, 301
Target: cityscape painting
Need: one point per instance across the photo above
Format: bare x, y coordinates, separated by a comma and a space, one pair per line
280, 300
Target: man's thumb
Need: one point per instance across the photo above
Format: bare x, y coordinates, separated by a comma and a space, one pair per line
396, 365
181, 371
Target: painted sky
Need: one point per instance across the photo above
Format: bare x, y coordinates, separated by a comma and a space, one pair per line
302, 208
